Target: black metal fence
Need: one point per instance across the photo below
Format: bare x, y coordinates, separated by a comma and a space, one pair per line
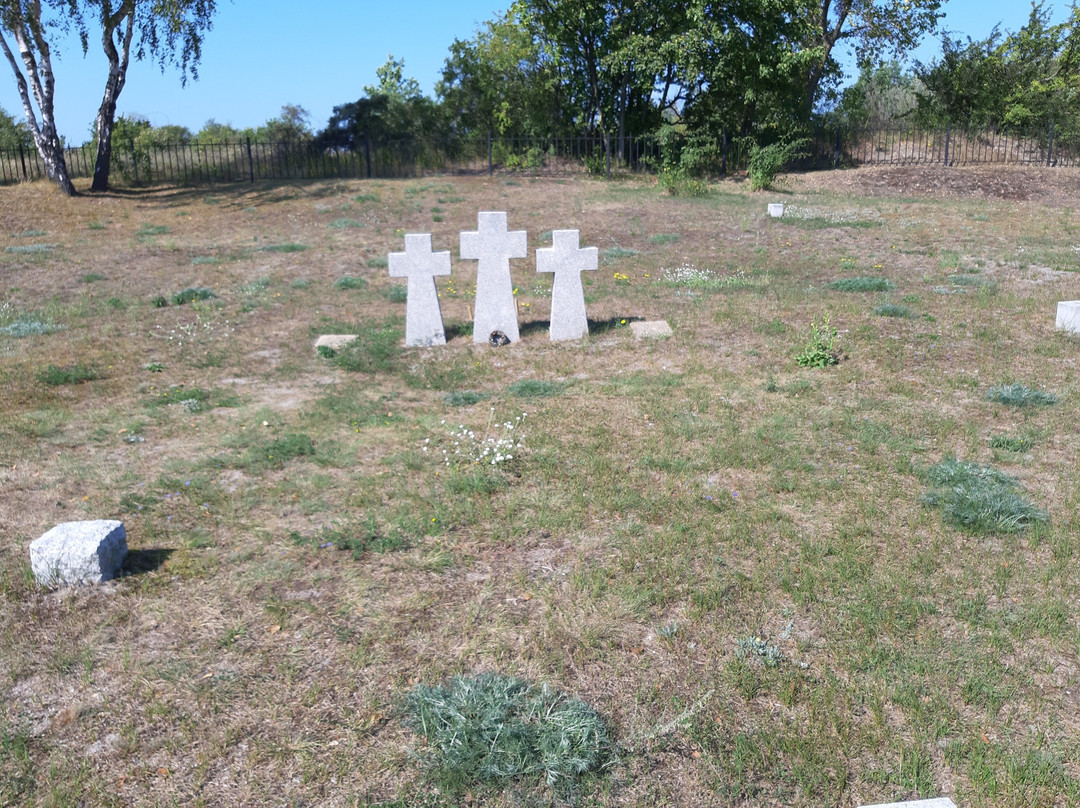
194, 163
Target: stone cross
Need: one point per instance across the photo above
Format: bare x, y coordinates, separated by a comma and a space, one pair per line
423, 317
567, 261
494, 247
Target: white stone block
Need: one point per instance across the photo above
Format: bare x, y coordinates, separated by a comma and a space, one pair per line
651, 329
1068, 315
334, 342
938, 802
776, 209
79, 553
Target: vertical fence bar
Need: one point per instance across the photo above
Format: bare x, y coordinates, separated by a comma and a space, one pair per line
22, 159
946, 143
491, 163
1050, 147
607, 155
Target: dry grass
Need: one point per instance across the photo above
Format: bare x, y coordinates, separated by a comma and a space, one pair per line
299, 562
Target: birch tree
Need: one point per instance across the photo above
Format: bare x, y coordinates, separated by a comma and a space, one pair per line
170, 32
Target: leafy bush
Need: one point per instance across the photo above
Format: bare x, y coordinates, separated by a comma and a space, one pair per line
463, 398
872, 284
192, 293
766, 162
979, 498
1020, 395
490, 729
821, 350
159, 301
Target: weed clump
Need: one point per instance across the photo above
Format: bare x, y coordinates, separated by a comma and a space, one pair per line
28, 327
1020, 395
190, 294
979, 498
491, 729
821, 350
861, 285
535, 388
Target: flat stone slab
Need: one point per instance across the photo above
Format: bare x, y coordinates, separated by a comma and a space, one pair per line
334, 342
1068, 315
79, 553
939, 802
651, 329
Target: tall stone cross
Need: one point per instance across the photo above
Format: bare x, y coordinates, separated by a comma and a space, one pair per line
494, 247
567, 261
423, 316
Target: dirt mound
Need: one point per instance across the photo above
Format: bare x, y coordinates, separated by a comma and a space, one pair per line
1012, 183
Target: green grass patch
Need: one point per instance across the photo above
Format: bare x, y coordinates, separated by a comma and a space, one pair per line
1020, 395
366, 198
617, 254
490, 729
535, 388
57, 375
29, 249
28, 327
192, 293
865, 284
376, 349
350, 282
284, 248
664, 238
343, 224
398, 293
377, 262
148, 230
1012, 443
464, 398
893, 310
979, 499
92, 277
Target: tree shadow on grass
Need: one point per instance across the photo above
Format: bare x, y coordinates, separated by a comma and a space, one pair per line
611, 324
140, 562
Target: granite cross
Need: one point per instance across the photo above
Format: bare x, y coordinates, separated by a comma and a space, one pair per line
493, 246
423, 317
567, 261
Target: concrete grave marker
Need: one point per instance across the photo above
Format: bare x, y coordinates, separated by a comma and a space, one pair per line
1068, 315
79, 553
493, 246
776, 209
423, 316
335, 342
939, 802
567, 261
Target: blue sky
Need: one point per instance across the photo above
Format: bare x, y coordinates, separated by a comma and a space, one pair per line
255, 61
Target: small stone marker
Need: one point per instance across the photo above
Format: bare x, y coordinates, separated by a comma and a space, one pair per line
1068, 315
79, 553
423, 317
493, 246
567, 261
335, 342
776, 209
939, 802
651, 329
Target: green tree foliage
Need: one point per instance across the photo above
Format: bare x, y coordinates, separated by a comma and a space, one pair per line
13, 134
392, 110
881, 96
1028, 77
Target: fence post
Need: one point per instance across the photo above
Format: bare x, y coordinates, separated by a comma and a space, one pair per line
367, 154
1050, 148
251, 161
22, 159
491, 163
607, 155
723, 153
946, 143
836, 147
